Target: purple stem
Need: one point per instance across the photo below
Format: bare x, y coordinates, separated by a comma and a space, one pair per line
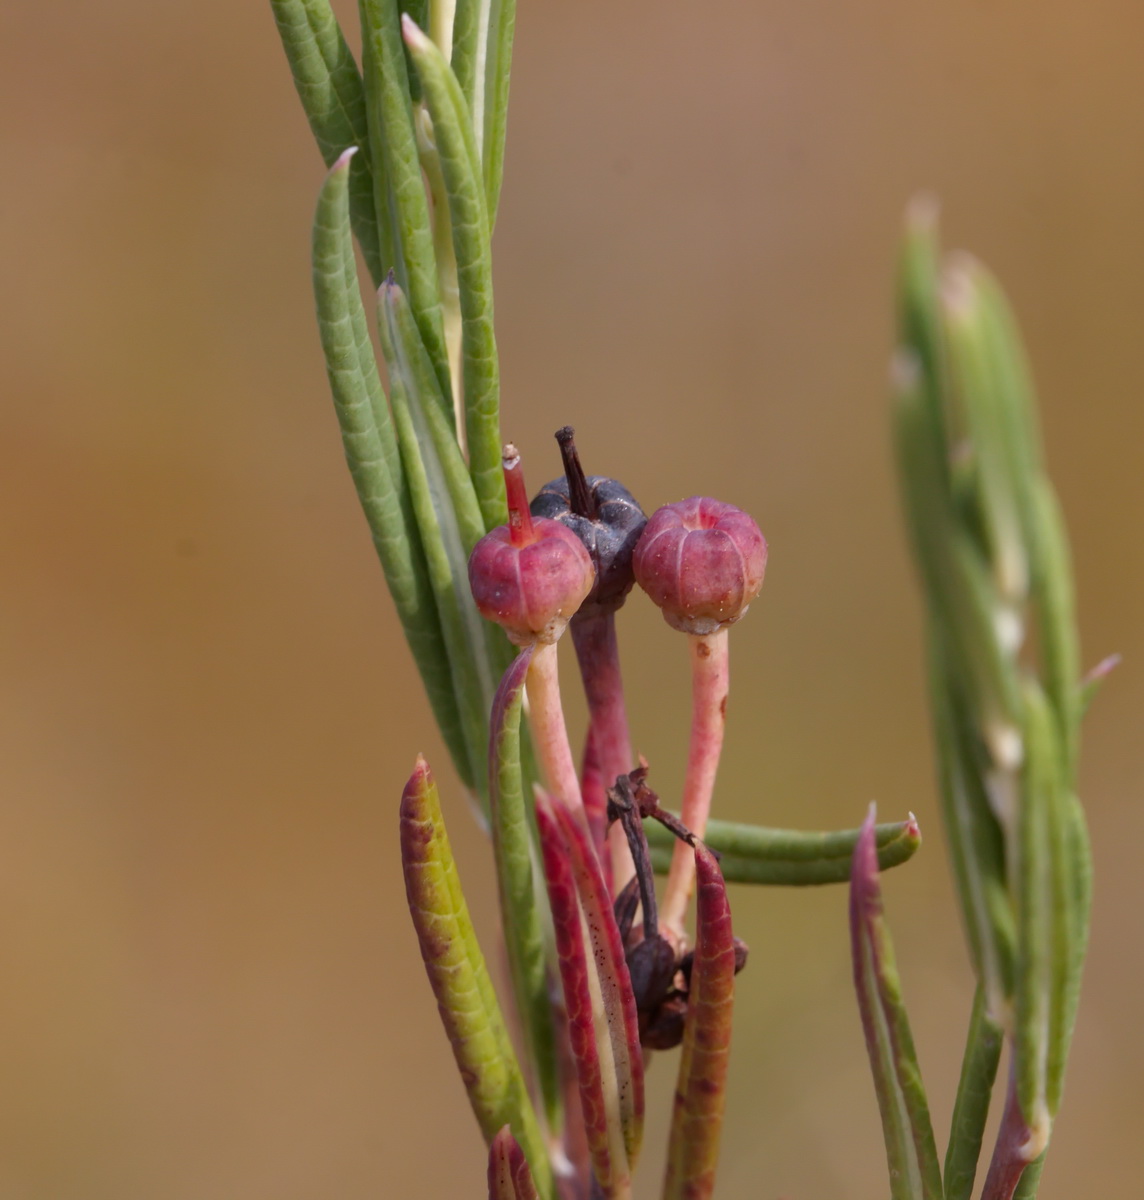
598, 654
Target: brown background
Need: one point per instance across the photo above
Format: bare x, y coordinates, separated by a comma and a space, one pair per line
210, 986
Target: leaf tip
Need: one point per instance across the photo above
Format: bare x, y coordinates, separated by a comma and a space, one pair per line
415, 39
343, 160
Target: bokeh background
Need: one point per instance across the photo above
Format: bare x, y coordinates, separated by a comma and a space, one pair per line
207, 712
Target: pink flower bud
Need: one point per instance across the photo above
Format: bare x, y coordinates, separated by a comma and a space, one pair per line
702, 562
532, 574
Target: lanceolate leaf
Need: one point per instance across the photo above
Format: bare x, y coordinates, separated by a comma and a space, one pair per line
978, 1071
403, 208
371, 453
911, 1153
611, 968
520, 914
700, 1090
460, 165
791, 857
330, 88
459, 978
443, 540
509, 1176
587, 1020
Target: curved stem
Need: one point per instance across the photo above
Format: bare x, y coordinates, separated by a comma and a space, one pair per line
548, 728
598, 654
710, 672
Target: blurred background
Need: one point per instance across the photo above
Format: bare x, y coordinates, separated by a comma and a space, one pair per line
206, 709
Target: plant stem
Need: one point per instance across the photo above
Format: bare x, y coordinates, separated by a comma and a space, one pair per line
548, 729
710, 673
1010, 1154
598, 654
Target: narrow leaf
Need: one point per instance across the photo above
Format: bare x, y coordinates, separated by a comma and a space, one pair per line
460, 166
490, 113
588, 1031
911, 1153
789, 857
402, 205
520, 914
509, 1176
443, 535
371, 453
330, 88
971, 1109
701, 1086
1041, 907
975, 840
459, 978
611, 968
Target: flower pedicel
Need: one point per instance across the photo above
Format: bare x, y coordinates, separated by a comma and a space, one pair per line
702, 562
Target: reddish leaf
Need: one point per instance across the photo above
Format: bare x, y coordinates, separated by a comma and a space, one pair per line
700, 1092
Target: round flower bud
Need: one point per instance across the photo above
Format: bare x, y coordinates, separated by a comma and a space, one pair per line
604, 515
529, 576
702, 562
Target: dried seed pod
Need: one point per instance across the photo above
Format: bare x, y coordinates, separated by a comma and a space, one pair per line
529, 576
606, 518
702, 561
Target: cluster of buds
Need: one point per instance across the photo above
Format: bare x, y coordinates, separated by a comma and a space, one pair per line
632, 982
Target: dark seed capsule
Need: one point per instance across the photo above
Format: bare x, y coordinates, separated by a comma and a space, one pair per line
604, 515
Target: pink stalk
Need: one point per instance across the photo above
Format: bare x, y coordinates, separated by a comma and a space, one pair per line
509, 1176
701, 1089
549, 732
597, 652
1011, 1152
710, 676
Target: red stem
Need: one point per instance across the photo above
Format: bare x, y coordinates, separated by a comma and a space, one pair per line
1011, 1153
597, 652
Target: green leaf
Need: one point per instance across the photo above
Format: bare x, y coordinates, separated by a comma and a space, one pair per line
442, 530
460, 979
513, 841
971, 1109
403, 207
911, 1152
460, 166
330, 88
974, 837
1041, 902
371, 452
790, 857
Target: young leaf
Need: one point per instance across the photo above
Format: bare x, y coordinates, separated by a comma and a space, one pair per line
910, 1149
460, 166
604, 1094
978, 1071
611, 969
788, 857
509, 1176
403, 207
459, 978
443, 534
520, 914
330, 88
700, 1090
371, 452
